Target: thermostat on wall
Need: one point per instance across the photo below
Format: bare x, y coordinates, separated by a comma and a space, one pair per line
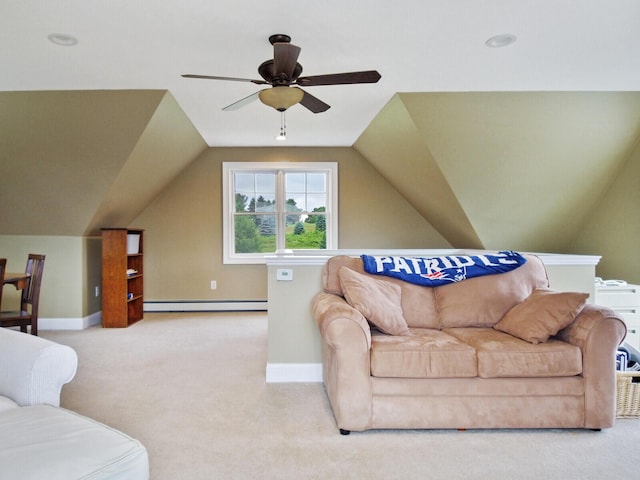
284, 274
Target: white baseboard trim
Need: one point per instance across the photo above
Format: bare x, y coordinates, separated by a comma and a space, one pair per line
81, 323
294, 372
70, 323
206, 306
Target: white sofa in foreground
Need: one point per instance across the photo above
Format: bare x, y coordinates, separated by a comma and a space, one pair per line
40, 440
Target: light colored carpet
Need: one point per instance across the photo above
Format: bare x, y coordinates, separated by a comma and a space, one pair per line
192, 388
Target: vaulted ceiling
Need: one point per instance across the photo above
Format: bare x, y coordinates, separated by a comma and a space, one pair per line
416, 45
477, 139
490, 170
72, 162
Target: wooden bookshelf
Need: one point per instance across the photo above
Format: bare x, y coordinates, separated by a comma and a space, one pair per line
122, 292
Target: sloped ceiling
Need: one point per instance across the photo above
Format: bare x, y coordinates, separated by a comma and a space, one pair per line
397, 148
168, 143
504, 170
74, 161
89, 133
519, 170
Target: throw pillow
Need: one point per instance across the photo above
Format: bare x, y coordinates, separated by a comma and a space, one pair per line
543, 314
377, 300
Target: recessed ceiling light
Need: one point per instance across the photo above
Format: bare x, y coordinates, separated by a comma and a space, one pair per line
503, 40
63, 39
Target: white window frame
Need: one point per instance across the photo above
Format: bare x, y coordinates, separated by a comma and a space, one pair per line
228, 204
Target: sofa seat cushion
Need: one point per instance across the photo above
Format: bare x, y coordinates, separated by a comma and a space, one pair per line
426, 353
502, 355
42, 441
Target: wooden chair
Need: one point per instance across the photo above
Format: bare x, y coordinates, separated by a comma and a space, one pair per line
28, 314
3, 269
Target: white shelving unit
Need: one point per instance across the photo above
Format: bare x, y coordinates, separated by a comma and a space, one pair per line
623, 299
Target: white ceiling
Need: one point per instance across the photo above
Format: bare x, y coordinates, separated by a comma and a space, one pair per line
416, 45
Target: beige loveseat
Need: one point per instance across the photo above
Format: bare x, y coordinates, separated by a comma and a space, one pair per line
453, 365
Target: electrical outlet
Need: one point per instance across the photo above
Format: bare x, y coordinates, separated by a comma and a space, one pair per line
214, 284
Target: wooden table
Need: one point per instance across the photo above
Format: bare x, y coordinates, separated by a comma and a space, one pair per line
18, 280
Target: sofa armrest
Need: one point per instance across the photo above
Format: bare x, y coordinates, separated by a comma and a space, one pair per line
581, 329
597, 331
346, 371
328, 308
33, 369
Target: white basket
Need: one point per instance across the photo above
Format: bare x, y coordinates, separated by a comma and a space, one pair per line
133, 244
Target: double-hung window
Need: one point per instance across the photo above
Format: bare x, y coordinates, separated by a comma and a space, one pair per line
276, 207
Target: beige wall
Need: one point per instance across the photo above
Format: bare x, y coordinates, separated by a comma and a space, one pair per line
71, 273
183, 225
613, 230
293, 336
409, 167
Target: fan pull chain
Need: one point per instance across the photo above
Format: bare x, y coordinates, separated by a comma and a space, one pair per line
283, 127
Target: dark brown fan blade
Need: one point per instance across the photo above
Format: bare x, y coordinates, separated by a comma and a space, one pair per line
242, 102
369, 76
312, 103
285, 56
233, 79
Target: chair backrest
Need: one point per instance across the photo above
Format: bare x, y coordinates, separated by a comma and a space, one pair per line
31, 294
3, 269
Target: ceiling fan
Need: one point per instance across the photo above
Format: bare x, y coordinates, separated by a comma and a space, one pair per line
283, 74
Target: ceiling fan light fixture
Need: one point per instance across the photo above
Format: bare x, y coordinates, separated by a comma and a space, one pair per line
281, 98
282, 72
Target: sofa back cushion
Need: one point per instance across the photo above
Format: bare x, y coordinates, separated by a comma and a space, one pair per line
483, 301
476, 302
418, 303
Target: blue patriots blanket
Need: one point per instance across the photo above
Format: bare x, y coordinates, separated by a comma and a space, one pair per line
436, 271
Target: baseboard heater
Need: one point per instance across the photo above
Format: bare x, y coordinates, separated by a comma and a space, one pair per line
206, 306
